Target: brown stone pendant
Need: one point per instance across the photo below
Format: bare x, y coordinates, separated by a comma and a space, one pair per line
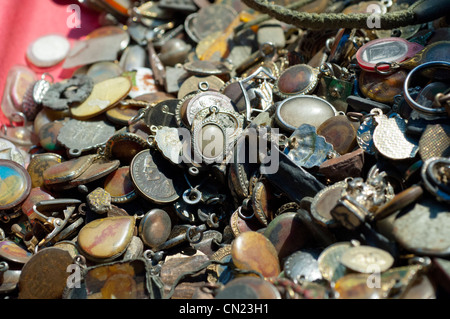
107, 238
382, 88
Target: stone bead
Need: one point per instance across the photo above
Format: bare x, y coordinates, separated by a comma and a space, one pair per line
253, 251
106, 238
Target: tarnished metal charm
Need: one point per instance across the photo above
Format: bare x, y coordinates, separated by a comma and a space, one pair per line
391, 141
168, 142
307, 148
79, 136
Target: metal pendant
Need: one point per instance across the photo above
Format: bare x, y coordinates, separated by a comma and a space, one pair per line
79, 136
364, 135
307, 148
391, 141
153, 178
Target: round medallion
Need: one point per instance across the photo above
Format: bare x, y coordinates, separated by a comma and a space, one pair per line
296, 80
155, 228
206, 100
330, 261
153, 177
15, 184
38, 164
303, 109
367, 259
45, 275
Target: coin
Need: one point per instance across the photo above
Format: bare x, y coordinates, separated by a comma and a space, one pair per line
153, 178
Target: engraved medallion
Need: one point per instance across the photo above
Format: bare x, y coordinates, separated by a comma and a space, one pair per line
330, 261
206, 100
391, 140
78, 136
367, 259
153, 178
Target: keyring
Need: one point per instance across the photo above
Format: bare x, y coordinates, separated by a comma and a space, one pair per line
422, 75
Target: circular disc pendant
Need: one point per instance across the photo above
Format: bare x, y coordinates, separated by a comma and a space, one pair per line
296, 80
303, 109
15, 184
154, 178
367, 259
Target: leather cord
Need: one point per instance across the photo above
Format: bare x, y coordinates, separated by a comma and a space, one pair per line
307, 20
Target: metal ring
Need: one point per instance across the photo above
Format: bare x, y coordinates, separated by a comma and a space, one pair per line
192, 196
243, 216
3, 266
389, 70
203, 86
192, 240
411, 102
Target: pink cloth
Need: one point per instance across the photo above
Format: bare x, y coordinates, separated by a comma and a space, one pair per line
21, 22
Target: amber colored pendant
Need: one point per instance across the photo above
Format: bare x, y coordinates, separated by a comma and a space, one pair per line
354, 286
253, 251
339, 131
296, 80
117, 280
382, 88
38, 164
107, 238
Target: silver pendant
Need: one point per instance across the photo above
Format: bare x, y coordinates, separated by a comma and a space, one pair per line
79, 136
